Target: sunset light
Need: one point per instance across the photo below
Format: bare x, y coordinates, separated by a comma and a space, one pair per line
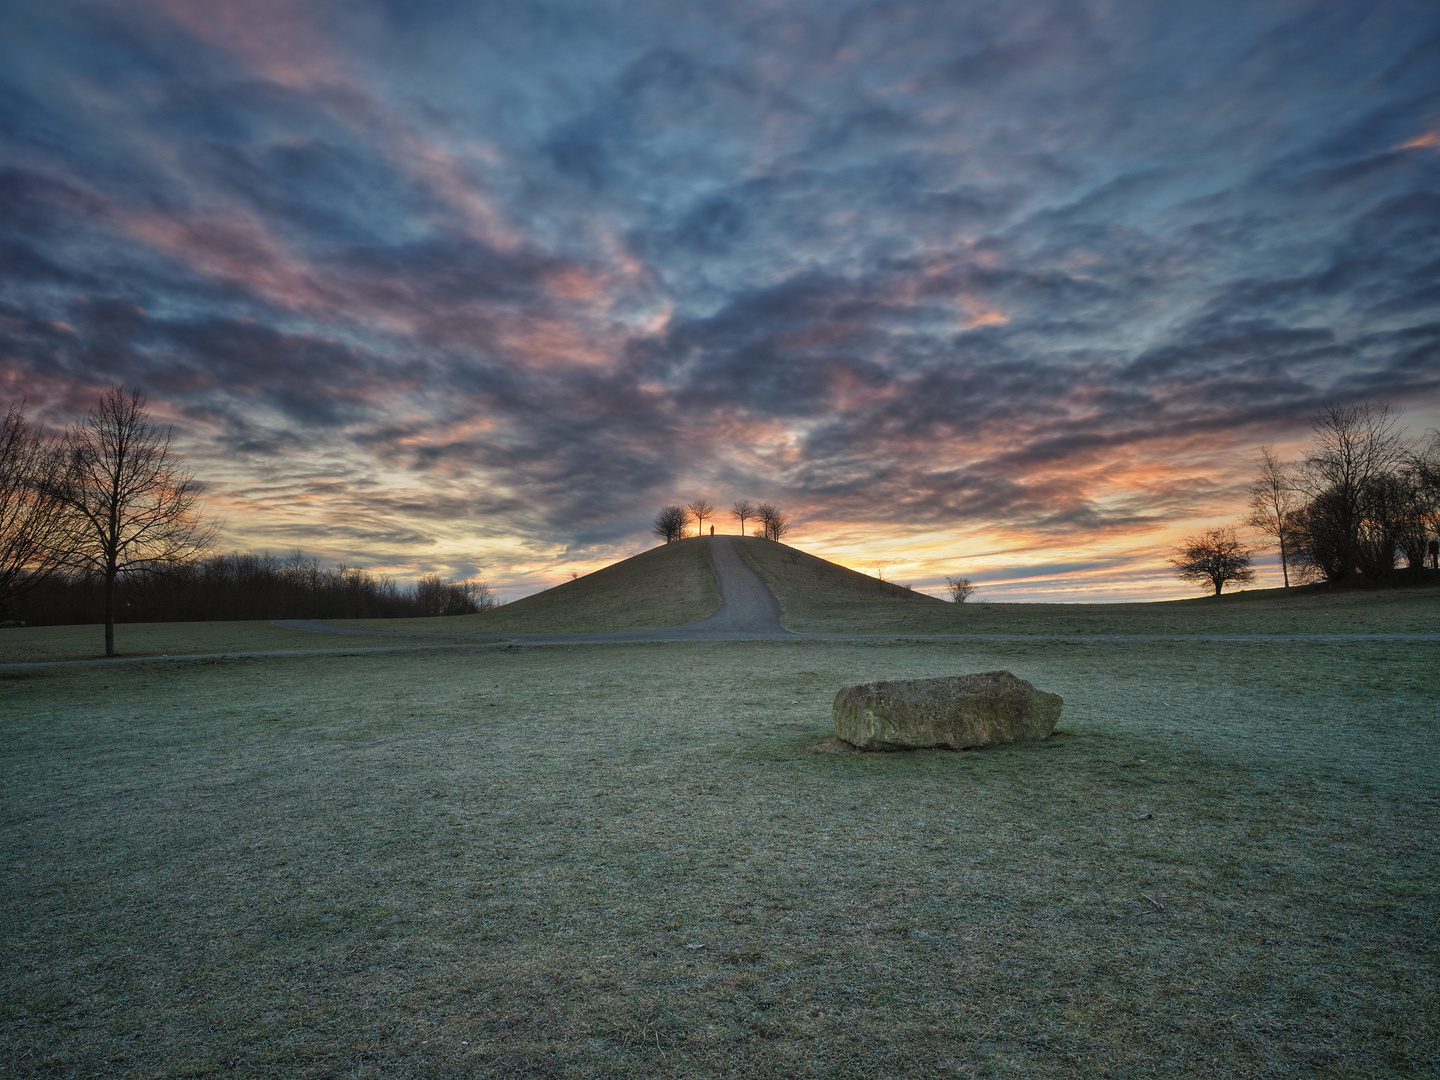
1013, 292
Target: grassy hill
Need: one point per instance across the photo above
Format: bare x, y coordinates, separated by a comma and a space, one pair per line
669, 585
674, 584
818, 596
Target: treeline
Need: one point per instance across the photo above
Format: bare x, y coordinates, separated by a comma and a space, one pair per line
242, 585
102, 524
1361, 506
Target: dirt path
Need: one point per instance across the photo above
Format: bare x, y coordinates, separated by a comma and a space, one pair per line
748, 609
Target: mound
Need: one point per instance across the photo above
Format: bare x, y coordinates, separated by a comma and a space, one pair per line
816, 594
669, 585
672, 585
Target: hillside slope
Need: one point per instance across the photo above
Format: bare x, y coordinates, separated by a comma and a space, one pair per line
817, 595
673, 584
669, 585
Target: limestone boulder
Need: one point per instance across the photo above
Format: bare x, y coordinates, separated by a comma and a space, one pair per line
956, 711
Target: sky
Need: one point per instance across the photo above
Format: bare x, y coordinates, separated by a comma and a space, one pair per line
1008, 290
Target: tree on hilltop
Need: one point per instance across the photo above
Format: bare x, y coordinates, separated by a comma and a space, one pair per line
670, 523
743, 510
773, 522
700, 510
1215, 559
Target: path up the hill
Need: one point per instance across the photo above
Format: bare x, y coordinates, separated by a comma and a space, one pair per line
747, 606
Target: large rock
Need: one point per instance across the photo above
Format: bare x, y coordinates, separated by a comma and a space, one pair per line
957, 711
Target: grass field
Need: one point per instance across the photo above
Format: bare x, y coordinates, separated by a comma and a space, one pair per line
623, 860
38, 644
673, 584
819, 597
665, 586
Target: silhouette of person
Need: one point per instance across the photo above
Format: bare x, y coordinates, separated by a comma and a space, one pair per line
1434, 547
712, 533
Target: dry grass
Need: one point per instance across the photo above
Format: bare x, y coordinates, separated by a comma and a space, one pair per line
669, 585
820, 597
32, 644
665, 586
496, 863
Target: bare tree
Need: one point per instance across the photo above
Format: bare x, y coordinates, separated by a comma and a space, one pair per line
670, 523
434, 595
773, 522
744, 510
700, 510
1273, 505
961, 588
1425, 468
1214, 558
763, 513
133, 507
32, 517
1347, 524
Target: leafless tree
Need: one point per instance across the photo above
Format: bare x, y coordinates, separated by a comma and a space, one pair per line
1425, 468
961, 588
763, 513
744, 510
700, 510
773, 522
32, 517
1214, 558
1273, 505
435, 595
670, 523
132, 506
1347, 523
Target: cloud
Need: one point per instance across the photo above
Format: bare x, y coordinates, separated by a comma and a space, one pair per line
493, 284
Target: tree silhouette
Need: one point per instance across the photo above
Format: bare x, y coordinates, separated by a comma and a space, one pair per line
133, 507
773, 522
1349, 523
32, 516
961, 588
743, 510
700, 510
670, 523
1273, 506
1214, 558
